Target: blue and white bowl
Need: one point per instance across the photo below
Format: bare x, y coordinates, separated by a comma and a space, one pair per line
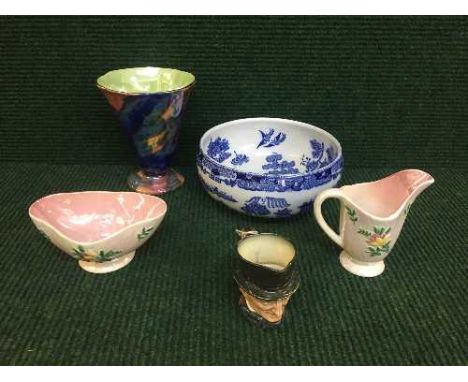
268, 167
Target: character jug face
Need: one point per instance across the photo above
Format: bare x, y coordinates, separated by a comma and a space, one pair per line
266, 275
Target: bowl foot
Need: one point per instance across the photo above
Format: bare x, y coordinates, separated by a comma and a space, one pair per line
361, 268
108, 266
155, 185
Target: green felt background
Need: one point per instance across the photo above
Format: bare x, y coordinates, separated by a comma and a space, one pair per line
392, 90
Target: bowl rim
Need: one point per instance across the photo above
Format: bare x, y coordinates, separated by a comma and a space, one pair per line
89, 243
110, 90
256, 119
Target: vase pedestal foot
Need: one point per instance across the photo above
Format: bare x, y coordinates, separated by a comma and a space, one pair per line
361, 268
108, 266
155, 185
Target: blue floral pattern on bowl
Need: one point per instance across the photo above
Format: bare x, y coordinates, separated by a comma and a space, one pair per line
262, 206
218, 149
215, 191
278, 176
239, 159
316, 160
275, 165
268, 182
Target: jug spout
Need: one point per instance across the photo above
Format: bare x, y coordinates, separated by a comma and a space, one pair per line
416, 181
387, 198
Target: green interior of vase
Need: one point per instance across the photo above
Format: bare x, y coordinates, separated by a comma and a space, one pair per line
145, 80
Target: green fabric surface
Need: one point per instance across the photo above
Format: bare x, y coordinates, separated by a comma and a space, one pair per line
176, 302
393, 90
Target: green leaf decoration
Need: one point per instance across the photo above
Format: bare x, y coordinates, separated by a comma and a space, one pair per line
79, 250
388, 230
144, 232
364, 232
352, 214
106, 256
81, 254
374, 251
379, 231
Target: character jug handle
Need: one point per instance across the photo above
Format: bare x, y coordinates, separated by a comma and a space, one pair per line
330, 193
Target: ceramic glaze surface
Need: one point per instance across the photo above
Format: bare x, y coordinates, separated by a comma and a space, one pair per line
266, 274
371, 218
267, 250
145, 80
98, 227
268, 167
149, 103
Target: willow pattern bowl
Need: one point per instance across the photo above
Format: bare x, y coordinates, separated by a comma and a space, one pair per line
268, 167
100, 229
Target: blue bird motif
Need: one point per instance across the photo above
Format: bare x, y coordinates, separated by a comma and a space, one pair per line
269, 141
265, 137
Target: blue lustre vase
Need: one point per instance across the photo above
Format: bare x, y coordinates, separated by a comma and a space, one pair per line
149, 103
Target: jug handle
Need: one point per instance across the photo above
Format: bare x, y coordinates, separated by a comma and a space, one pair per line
330, 193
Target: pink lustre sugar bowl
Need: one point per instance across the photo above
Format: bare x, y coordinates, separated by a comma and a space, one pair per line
100, 229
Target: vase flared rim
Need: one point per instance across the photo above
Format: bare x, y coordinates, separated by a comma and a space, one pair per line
113, 81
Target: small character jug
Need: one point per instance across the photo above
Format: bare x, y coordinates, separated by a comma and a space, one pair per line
267, 276
371, 218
